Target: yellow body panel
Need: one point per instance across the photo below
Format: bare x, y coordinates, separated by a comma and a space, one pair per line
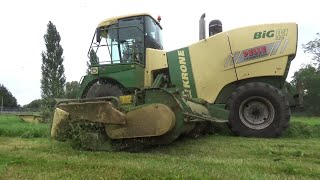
208, 69
155, 59
242, 38
274, 67
281, 43
242, 53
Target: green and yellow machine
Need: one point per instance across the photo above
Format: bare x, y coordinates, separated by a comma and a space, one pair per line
137, 92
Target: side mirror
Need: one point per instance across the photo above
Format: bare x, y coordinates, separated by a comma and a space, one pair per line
98, 38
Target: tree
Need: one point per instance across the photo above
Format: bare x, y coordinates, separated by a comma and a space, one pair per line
308, 80
52, 70
53, 78
35, 104
72, 89
313, 48
8, 99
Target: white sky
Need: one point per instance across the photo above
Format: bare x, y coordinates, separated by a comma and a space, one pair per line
23, 24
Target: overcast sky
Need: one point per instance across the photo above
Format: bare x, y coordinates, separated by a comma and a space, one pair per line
23, 24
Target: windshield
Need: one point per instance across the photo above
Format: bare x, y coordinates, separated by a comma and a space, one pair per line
119, 43
125, 41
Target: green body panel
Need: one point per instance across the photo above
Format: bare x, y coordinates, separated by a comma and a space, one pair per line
180, 70
127, 75
218, 111
158, 81
178, 107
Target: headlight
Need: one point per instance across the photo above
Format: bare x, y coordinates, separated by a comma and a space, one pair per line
94, 70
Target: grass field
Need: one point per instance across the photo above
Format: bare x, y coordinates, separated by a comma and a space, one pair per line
307, 120
208, 157
13, 126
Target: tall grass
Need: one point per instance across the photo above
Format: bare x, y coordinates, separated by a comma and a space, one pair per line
13, 126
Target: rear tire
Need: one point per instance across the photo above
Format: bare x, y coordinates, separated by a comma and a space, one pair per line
258, 110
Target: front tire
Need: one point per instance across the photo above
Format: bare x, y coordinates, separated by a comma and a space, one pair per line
102, 89
258, 110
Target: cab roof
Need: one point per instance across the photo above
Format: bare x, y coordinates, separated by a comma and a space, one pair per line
113, 20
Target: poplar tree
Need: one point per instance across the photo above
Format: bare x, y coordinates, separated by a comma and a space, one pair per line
53, 78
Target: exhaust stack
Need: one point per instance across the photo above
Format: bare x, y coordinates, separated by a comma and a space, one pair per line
202, 27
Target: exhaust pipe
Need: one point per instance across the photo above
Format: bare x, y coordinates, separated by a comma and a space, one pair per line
202, 27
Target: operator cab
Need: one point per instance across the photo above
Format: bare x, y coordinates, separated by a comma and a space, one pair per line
125, 39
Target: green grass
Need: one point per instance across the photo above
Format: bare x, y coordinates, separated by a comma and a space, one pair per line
209, 157
13, 126
303, 127
299, 128
292, 156
306, 120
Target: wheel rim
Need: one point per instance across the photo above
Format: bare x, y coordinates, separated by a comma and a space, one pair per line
256, 112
